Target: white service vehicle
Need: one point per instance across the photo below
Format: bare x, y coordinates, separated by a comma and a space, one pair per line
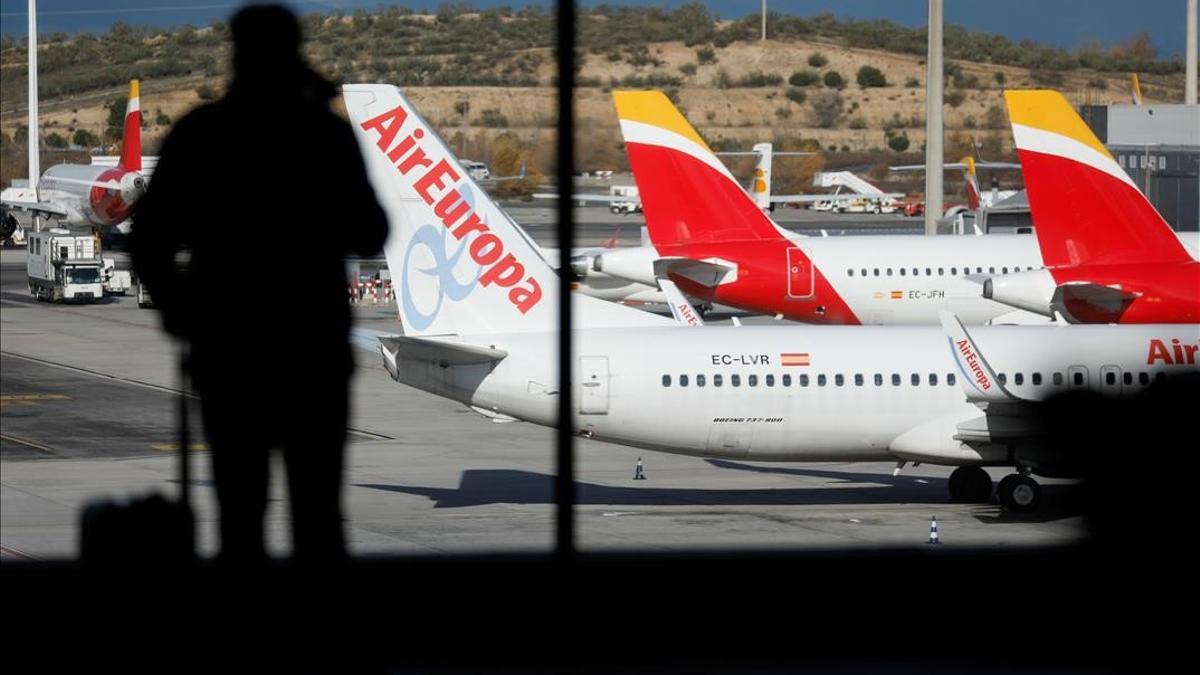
476, 170
116, 282
63, 266
625, 207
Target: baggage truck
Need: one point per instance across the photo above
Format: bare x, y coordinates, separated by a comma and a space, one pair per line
63, 266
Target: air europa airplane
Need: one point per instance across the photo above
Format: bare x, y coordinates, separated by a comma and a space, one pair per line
717, 245
475, 332
85, 194
1110, 257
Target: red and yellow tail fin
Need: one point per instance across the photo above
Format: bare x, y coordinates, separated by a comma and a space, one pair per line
1085, 208
688, 195
131, 143
972, 181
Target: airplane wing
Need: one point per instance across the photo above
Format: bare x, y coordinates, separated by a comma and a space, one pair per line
706, 272
681, 309
839, 197
44, 208
959, 165
591, 197
443, 353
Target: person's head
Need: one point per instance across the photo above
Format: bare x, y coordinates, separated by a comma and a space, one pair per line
266, 43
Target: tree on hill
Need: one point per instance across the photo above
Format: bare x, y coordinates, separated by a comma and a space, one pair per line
869, 76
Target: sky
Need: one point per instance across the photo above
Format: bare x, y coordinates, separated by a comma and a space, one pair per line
1065, 23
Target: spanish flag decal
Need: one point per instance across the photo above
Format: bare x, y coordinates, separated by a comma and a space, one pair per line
794, 359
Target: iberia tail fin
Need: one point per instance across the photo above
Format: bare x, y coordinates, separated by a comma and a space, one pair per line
460, 265
1085, 208
131, 142
688, 195
972, 183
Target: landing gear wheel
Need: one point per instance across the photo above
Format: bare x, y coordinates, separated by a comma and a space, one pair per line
1019, 493
970, 484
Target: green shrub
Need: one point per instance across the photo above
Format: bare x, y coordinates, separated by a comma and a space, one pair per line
206, 92
492, 118
912, 83
817, 60
899, 143
955, 98
688, 69
858, 123
834, 80
706, 55
804, 78
796, 96
869, 76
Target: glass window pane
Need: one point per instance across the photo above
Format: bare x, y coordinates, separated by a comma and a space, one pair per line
666, 380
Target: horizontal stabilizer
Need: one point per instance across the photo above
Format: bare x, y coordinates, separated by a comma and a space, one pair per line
442, 353
1091, 303
704, 272
45, 208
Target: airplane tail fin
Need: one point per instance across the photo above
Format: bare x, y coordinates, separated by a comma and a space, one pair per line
972, 181
761, 187
1085, 207
688, 195
131, 142
461, 265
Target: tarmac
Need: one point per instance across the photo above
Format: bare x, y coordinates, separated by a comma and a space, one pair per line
87, 410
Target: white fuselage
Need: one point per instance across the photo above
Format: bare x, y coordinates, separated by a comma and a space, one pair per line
847, 404
886, 279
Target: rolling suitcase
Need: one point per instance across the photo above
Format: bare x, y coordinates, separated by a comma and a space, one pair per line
147, 530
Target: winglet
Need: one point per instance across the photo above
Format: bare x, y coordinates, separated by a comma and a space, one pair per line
131, 141
979, 381
681, 309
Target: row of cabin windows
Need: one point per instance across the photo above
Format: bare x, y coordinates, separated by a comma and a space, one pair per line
929, 271
915, 379
803, 380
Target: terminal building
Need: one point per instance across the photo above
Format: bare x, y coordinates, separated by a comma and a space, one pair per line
1158, 145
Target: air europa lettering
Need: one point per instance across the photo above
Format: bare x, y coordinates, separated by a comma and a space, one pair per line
434, 183
973, 363
1183, 354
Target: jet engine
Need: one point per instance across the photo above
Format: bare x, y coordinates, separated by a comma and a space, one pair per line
632, 264
1031, 290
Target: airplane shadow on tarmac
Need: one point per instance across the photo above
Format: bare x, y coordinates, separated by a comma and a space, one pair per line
1058, 501
479, 487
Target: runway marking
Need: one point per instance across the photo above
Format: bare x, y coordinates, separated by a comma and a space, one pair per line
174, 447
30, 399
15, 553
31, 444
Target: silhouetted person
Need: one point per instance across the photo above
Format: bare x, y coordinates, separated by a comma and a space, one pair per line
267, 190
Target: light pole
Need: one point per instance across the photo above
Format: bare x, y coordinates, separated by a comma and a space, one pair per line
933, 120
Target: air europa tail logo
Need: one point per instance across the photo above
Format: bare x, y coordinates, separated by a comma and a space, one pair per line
434, 183
972, 361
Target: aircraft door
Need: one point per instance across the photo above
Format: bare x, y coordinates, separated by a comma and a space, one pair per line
1077, 378
593, 382
800, 273
1110, 380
